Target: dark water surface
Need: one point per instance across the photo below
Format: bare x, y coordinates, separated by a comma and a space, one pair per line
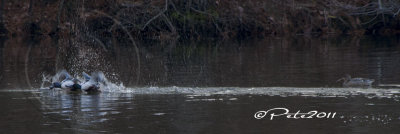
59, 112
201, 87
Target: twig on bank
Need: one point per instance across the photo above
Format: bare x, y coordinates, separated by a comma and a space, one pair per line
159, 14
212, 16
171, 27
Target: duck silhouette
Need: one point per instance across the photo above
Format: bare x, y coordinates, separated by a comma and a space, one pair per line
92, 82
69, 83
355, 82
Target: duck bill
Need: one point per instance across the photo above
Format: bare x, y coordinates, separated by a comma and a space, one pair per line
340, 79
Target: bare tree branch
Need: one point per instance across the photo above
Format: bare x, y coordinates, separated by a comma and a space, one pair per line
159, 14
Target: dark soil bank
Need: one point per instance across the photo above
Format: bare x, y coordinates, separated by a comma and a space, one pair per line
196, 19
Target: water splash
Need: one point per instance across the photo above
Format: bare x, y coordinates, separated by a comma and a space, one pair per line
45, 79
109, 86
106, 85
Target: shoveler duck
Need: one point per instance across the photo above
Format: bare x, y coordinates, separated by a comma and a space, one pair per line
355, 82
92, 82
69, 83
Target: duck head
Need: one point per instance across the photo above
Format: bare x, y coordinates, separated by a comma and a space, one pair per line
55, 85
92, 82
346, 78
76, 85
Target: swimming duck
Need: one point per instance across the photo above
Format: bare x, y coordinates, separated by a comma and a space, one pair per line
356, 82
92, 82
69, 83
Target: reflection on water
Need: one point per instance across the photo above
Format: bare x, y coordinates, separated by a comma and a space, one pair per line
83, 112
189, 113
257, 63
201, 87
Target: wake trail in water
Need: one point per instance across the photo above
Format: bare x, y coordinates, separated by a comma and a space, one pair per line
111, 87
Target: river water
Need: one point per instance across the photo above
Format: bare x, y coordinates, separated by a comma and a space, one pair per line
202, 86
